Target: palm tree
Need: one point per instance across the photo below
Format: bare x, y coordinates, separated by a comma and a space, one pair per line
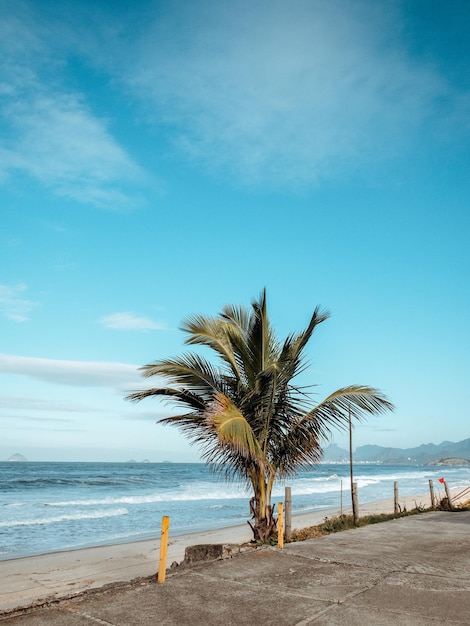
248, 416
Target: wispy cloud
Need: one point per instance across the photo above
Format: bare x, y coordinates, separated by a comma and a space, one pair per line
41, 425
75, 373
146, 416
51, 133
60, 143
42, 421
269, 92
293, 93
12, 305
39, 404
130, 321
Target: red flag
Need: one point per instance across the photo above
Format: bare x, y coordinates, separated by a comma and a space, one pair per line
441, 480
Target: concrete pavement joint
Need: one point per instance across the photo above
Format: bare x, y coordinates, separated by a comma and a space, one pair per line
347, 564
90, 617
339, 601
313, 618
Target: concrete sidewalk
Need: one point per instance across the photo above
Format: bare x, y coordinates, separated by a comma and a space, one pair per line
409, 571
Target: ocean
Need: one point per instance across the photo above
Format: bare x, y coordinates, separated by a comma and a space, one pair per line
49, 507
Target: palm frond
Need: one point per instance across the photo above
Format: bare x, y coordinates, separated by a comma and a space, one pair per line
182, 395
233, 430
291, 354
239, 316
302, 442
191, 371
335, 411
354, 401
255, 345
214, 333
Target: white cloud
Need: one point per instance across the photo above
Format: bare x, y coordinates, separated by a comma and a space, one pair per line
12, 305
74, 373
130, 321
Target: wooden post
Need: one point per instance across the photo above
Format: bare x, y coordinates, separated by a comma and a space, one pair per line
449, 499
280, 526
354, 503
163, 549
433, 499
341, 500
395, 498
288, 504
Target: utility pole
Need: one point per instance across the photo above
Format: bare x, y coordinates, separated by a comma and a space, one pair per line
353, 484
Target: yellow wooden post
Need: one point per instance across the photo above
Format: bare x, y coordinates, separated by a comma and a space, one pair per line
280, 526
163, 549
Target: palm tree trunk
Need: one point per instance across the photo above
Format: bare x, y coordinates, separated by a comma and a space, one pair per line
264, 525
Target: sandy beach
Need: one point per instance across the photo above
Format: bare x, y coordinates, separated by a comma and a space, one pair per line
33, 580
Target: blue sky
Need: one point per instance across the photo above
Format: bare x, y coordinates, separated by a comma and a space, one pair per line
160, 159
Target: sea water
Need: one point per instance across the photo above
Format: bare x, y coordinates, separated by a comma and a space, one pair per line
47, 507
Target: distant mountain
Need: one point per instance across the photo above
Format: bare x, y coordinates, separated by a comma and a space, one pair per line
425, 453
334, 454
16, 458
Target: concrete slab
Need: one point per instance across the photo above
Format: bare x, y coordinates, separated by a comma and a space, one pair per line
418, 595
439, 539
280, 573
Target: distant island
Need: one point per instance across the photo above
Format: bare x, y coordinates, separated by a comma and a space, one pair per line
446, 453
17, 458
450, 462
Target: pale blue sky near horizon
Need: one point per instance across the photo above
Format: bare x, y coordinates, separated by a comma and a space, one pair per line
160, 159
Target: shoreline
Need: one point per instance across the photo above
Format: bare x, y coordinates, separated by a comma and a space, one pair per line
318, 514
31, 580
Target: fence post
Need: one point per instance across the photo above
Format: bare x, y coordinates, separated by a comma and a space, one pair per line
280, 526
163, 549
433, 498
449, 499
395, 498
354, 503
288, 503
